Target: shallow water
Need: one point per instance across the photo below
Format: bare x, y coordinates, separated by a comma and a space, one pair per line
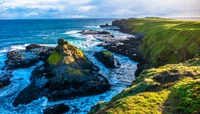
47, 34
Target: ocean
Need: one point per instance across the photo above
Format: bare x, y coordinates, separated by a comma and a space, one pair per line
17, 34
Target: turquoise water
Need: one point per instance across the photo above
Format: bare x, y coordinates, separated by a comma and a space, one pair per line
16, 34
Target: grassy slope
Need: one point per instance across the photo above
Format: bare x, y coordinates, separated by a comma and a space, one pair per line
170, 89
166, 41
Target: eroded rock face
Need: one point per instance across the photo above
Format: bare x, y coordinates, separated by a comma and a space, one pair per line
26, 58
107, 59
66, 75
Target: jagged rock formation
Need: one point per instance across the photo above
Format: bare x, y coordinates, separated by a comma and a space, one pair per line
66, 74
26, 58
107, 59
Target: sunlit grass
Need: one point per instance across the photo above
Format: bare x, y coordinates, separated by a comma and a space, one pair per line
170, 89
166, 40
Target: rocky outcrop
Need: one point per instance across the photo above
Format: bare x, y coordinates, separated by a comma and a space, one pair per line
56, 109
23, 59
86, 32
26, 58
107, 59
5, 79
67, 74
128, 47
109, 27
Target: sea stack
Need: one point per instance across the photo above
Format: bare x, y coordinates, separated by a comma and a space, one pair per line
66, 74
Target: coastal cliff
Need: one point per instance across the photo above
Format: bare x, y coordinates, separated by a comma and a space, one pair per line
166, 41
170, 89
172, 47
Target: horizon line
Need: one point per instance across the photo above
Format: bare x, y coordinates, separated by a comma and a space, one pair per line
185, 17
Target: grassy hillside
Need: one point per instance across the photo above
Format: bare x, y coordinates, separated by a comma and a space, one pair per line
170, 89
166, 41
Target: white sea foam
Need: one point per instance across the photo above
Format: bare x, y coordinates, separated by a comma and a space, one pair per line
97, 26
49, 45
71, 32
20, 80
18, 47
74, 33
119, 79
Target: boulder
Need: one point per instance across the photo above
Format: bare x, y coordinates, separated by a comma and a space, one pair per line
107, 59
56, 109
5, 79
26, 58
67, 74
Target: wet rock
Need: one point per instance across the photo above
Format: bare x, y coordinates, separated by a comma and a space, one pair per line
86, 32
20, 59
26, 58
5, 79
56, 109
67, 74
107, 59
128, 47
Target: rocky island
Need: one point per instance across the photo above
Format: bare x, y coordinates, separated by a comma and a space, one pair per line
66, 73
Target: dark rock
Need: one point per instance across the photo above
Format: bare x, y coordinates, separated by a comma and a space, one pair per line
20, 59
86, 32
33, 46
107, 59
26, 58
67, 74
103, 32
56, 109
5, 79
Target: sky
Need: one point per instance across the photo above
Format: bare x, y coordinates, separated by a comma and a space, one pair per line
31, 9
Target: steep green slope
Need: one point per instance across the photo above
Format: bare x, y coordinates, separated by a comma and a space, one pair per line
166, 41
170, 89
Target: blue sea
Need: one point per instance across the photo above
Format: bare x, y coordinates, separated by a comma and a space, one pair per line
17, 34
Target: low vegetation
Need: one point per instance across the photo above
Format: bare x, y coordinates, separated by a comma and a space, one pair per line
170, 89
167, 41
54, 58
106, 53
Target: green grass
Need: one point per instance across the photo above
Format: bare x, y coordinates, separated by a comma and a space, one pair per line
167, 41
170, 89
106, 53
66, 54
54, 58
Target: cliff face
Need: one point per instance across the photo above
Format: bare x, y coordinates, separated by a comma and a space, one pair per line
166, 41
169, 89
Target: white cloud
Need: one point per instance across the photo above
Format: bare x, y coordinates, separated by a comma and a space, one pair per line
86, 8
97, 8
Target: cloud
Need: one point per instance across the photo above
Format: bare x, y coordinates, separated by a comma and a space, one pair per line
97, 8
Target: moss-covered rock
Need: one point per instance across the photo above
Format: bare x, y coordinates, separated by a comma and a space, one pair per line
67, 74
170, 89
107, 59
